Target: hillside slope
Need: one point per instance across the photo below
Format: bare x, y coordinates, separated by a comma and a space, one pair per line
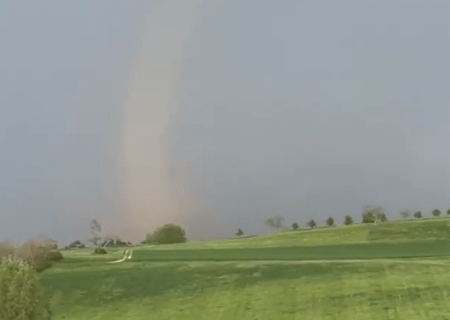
401, 230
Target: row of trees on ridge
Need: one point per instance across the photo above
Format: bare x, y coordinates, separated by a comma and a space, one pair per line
370, 214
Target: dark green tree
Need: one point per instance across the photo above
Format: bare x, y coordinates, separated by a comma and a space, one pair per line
240, 232
311, 224
368, 217
373, 214
348, 220
295, 226
436, 212
76, 244
448, 211
418, 215
330, 222
169, 233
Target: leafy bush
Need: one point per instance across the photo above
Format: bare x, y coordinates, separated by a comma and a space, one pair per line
38, 253
6, 249
311, 224
368, 217
295, 226
373, 214
21, 295
54, 256
169, 233
100, 251
240, 232
330, 222
371, 217
76, 244
348, 220
448, 211
418, 215
436, 213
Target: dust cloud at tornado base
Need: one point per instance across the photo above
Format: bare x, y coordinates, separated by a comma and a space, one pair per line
146, 195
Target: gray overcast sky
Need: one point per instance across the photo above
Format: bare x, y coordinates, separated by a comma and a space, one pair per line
301, 108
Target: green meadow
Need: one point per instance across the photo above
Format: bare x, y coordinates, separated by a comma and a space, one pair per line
395, 270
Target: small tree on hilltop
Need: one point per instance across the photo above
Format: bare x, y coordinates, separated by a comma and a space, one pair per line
368, 217
311, 224
448, 211
418, 215
95, 230
169, 233
405, 214
373, 214
295, 226
348, 220
240, 232
436, 212
330, 222
275, 222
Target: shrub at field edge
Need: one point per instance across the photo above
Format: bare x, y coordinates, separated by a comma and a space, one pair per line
21, 294
168, 233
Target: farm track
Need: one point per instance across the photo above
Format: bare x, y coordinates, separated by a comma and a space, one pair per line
127, 256
413, 260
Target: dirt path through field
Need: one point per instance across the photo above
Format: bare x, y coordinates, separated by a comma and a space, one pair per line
126, 256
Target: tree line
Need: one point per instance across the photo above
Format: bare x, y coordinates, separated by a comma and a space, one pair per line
171, 233
370, 214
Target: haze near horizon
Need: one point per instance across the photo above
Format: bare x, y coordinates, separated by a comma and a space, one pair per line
221, 113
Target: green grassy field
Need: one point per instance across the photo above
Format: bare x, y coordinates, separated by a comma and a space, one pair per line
432, 229
356, 272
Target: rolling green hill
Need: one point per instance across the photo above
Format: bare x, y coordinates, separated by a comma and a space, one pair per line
409, 230
397, 270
